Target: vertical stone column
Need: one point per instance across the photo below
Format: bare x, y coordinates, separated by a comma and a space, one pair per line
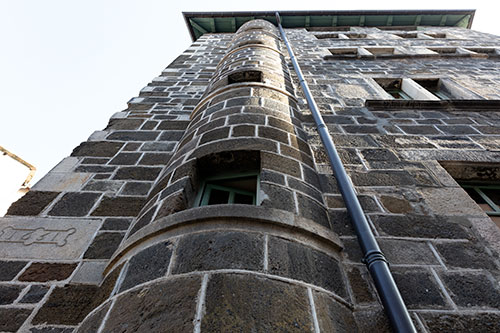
270, 266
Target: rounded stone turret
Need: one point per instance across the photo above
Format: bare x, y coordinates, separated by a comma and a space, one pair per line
235, 233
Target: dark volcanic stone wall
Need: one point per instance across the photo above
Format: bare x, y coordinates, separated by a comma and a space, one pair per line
111, 239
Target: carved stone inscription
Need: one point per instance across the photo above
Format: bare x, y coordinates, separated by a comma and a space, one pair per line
45, 238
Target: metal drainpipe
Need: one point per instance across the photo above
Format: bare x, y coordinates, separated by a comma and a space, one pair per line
373, 257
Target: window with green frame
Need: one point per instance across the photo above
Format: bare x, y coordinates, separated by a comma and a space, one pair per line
229, 189
487, 196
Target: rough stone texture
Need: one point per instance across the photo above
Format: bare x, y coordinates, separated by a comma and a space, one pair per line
68, 305
97, 149
16, 316
32, 203
93, 322
465, 255
332, 316
299, 262
119, 206
472, 290
42, 272
74, 204
419, 289
35, 294
137, 173
9, 269
8, 294
163, 306
147, 265
245, 303
219, 250
104, 245
462, 323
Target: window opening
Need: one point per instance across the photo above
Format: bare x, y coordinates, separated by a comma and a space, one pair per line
487, 197
435, 87
444, 50
435, 35
230, 189
247, 76
407, 35
380, 50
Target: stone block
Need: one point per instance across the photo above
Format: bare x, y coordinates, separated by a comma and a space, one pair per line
59, 182
450, 201
219, 250
299, 262
104, 245
341, 222
155, 159
171, 136
74, 204
465, 255
43, 272
419, 129
281, 164
97, 149
372, 320
419, 289
423, 226
89, 272
125, 159
45, 238
457, 129
119, 206
34, 294
354, 141
402, 252
243, 130
149, 264
382, 178
137, 173
133, 135
273, 134
379, 155
8, 294
246, 303
333, 316
312, 210
362, 129
114, 223
68, 305
173, 125
396, 205
213, 135
272, 177
469, 290
172, 204
32, 203
9, 269
278, 197
158, 146
462, 323
136, 188
124, 124
166, 306
93, 322
110, 186
17, 316
359, 280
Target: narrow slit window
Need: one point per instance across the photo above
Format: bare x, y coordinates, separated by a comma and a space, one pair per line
247, 76
233, 189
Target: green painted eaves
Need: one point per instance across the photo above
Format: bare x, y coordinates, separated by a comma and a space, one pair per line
229, 22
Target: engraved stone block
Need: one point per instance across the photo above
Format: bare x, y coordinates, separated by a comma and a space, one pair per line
45, 238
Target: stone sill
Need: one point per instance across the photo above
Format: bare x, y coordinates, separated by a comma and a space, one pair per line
455, 105
410, 56
227, 217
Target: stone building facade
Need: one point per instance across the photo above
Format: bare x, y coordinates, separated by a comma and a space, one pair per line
209, 205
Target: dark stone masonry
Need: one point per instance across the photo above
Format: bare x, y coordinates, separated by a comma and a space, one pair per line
208, 205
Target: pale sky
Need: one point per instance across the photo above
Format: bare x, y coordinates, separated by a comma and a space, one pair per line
67, 66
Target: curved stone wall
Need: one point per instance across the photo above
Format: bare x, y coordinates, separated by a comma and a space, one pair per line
280, 254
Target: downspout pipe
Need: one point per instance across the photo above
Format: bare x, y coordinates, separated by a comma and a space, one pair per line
372, 255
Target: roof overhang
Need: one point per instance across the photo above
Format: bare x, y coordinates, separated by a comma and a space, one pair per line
199, 23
